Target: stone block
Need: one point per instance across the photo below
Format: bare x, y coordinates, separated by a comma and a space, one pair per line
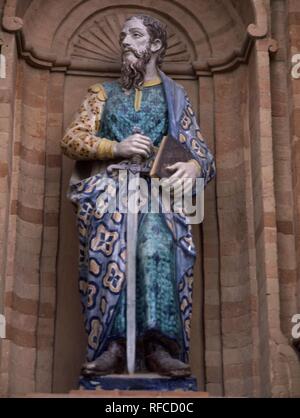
139, 383
5, 125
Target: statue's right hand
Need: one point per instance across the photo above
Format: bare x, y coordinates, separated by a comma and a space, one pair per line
136, 144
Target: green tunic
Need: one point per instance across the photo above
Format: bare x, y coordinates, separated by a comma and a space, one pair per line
157, 296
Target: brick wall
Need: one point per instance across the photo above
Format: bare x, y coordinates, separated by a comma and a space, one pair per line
294, 113
7, 167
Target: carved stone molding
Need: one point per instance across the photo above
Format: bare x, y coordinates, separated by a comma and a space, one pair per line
225, 63
260, 28
37, 58
98, 44
273, 46
10, 22
93, 48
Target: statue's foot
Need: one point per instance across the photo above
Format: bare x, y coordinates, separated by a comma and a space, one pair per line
111, 361
160, 361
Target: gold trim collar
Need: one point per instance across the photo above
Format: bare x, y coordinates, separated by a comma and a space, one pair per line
139, 93
151, 83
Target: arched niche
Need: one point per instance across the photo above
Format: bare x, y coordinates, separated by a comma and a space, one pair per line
46, 35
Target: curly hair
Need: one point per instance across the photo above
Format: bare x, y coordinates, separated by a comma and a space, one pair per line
156, 30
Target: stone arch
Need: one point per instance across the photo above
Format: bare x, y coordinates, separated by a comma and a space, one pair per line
91, 41
206, 25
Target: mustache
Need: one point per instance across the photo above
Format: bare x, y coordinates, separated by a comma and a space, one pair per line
134, 51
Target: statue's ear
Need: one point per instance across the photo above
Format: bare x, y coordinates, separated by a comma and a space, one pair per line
156, 45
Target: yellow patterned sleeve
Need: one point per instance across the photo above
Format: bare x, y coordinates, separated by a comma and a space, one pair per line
80, 141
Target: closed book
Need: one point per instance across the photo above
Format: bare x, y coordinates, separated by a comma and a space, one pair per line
170, 152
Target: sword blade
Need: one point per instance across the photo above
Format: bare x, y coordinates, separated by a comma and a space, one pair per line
132, 232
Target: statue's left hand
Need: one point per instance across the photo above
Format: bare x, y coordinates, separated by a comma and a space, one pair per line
181, 171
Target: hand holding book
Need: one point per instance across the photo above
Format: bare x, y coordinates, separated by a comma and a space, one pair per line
173, 157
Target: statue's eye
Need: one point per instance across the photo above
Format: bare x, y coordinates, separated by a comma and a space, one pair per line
137, 35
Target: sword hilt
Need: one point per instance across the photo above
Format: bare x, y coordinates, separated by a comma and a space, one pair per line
134, 164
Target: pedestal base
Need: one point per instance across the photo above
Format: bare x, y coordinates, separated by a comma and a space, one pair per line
143, 382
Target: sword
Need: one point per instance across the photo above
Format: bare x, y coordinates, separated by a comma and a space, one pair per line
134, 168
132, 234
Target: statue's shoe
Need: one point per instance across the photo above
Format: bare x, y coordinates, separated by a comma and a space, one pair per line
160, 361
111, 361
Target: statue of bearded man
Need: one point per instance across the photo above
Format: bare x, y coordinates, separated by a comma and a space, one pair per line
104, 131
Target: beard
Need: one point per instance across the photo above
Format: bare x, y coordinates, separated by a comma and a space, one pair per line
133, 74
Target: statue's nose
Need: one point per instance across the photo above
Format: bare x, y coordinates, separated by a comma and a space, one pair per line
125, 45
125, 42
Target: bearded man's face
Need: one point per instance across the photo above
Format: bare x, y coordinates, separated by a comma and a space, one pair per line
136, 53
